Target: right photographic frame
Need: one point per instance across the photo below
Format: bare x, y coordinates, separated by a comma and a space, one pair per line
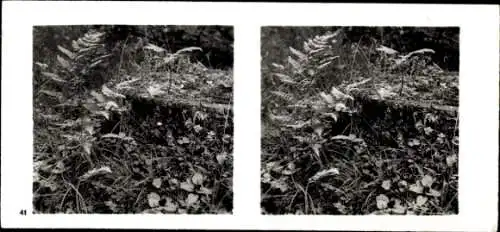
359, 120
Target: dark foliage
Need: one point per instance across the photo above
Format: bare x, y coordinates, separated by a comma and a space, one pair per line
350, 128
403, 39
122, 125
216, 41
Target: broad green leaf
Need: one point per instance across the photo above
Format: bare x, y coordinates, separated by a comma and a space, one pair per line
398, 208
221, 158
386, 184
427, 181
197, 179
192, 199
187, 186
382, 201
451, 160
421, 200
417, 188
157, 182
153, 200
266, 178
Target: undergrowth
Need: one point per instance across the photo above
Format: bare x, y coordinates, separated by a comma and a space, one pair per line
121, 128
358, 128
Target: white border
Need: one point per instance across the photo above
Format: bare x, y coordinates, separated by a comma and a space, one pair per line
478, 158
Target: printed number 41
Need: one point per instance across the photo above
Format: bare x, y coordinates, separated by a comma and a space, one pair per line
23, 212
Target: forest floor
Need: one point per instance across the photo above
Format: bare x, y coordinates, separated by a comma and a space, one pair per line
367, 146
388, 159
161, 143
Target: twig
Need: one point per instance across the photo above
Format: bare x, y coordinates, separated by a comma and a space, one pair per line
64, 197
121, 55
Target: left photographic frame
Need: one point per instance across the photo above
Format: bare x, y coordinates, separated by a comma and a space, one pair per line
132, 119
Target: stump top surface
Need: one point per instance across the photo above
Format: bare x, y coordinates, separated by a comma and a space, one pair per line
212, 89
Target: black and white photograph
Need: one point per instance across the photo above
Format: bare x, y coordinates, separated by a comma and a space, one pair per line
249, 116
132, 119
360, 120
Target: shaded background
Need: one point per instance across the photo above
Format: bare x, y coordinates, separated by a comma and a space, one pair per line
443, 40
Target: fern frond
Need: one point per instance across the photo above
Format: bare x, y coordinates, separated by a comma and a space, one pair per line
66, 52
284, 96
297, 53
285, 78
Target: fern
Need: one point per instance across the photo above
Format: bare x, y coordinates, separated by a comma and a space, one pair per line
284, 96
86, 57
